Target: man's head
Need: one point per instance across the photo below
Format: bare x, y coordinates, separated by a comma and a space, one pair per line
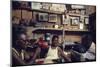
55, 40
23, 36
22, 41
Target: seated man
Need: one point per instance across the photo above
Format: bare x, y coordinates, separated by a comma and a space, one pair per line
18, 50
21, 54
86, 50
90, 53
55, 52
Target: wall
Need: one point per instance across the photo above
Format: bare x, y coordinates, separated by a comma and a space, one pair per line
28, 15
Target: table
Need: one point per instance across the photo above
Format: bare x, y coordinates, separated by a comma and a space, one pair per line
47, 61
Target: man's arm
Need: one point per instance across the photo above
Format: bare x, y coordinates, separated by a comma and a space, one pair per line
16, 58
67, 57
37, 53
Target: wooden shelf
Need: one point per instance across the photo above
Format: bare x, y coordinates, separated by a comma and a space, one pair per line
73, 14
40, 10
49, 11
77, 30
60, 29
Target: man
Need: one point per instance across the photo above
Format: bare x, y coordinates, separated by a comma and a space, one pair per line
86, 50
18, 51
90, 54
21, 55
55, 52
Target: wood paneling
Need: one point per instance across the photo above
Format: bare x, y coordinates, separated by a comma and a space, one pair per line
26, 14
16, 13
90, 10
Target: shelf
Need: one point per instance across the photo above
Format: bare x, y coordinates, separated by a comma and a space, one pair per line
40, 10
49, 11
58, 29
78, 30
73, 14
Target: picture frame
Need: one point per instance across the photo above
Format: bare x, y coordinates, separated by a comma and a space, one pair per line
40, 27
83, 12
52, 18
43, 17
74, 20
25, 4
46, 6
36, 5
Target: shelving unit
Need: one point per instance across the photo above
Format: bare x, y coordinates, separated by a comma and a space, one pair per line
39, 10
47, 27
78, 15
66, 30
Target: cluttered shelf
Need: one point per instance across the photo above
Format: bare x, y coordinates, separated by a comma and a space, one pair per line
73, 14
57, 31
60, 29
49, 11
40, 10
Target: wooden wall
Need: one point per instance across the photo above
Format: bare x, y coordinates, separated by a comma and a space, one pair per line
16, 13
29, 15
